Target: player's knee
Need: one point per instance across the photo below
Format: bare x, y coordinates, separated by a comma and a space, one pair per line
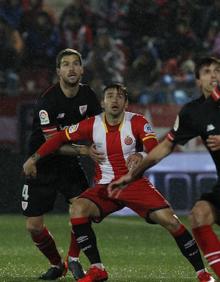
79, 208
200, 215
167, 219
172, 223
196, 217
34, 228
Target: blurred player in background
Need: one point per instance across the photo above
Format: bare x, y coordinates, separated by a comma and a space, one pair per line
59, 106
116, 133
200, 117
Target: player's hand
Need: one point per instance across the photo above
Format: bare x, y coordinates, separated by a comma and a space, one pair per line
134, 160
115, 187
213, 142
30, 168
97, 156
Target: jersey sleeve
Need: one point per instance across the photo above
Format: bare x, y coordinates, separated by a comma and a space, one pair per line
144, 132
94, 104
80, 131
183, 129
76, 132
46, 116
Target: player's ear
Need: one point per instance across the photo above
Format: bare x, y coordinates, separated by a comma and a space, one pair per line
102, 103
198, 83
126, 104
58, 71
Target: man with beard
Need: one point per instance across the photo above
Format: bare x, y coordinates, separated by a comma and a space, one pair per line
59, 106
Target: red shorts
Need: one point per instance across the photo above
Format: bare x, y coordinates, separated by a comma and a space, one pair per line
140, 196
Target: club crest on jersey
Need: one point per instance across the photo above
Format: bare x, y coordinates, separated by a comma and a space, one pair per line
210, 127
83, 109
148, 128
44, 118
24, 205
128, 140
73, 128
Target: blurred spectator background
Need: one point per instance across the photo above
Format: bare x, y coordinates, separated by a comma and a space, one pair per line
149, 43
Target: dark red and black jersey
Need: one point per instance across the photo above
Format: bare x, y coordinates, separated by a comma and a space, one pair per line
54, 111
200, 117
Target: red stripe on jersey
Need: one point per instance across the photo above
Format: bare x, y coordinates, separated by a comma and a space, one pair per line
115, 153
150, 143
215, 94
170, 137
49, 130
49, 127
98, 173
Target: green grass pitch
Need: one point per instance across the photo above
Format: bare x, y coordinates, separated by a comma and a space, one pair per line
131, 250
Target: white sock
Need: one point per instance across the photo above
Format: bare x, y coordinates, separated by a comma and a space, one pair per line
200, 271
70, 259
99, 265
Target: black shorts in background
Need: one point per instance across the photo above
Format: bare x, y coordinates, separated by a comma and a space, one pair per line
39, 194
213, 198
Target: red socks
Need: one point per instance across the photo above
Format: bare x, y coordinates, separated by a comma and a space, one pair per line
46, 244
210, 246
74, 249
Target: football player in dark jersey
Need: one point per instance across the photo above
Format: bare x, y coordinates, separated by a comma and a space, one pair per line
59, 106
200, 117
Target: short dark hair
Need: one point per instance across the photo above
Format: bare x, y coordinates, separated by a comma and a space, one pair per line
67, 52
119, 87
204, 61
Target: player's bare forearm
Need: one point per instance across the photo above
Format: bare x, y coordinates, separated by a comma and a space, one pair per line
154, 157
134, 160
29, 166
73, 150
82, 150
35, 157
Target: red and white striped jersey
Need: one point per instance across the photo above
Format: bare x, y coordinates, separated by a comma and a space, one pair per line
116, 142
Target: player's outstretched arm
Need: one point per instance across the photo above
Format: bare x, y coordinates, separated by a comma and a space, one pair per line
82, 150
50, 146
157, 154
134, 160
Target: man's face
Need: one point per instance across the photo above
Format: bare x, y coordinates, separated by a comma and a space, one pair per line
70, 70
209, 78
114, 102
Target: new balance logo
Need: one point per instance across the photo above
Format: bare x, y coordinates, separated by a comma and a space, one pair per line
61, 115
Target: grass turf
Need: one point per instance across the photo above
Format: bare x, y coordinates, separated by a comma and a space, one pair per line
131, 250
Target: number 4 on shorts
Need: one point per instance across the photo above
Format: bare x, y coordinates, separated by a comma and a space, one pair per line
25, 195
